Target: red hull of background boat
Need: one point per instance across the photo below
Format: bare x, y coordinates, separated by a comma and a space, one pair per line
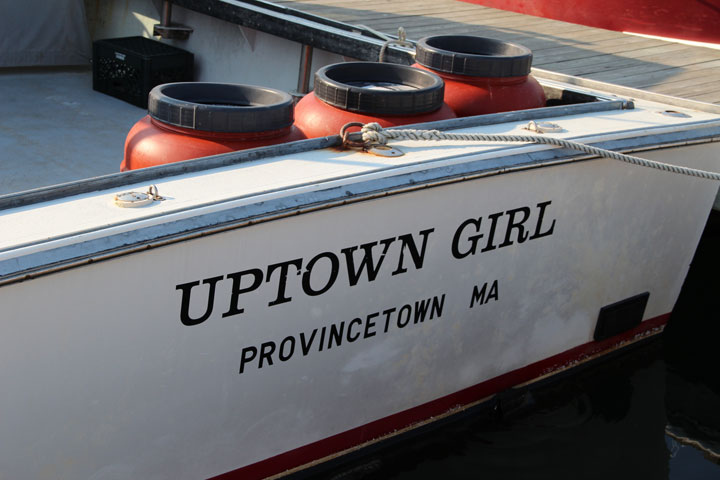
695, 20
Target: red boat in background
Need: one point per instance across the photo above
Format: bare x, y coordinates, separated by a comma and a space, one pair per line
694, 20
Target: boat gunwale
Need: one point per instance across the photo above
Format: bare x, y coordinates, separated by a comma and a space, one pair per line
353, 41
34, 264
120, 179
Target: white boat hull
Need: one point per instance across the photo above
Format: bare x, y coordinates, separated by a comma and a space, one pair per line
302, 355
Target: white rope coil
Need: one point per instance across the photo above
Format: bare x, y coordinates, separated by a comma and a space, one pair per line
374, 134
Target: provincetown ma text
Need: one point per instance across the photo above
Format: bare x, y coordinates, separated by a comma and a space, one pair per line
338, 333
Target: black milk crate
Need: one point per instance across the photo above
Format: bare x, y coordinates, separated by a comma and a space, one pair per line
128, 68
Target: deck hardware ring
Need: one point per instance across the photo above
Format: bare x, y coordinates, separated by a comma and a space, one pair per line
385, 151
134, 199
154, 193
543, 127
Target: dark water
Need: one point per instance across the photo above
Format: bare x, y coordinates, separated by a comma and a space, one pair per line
649, 413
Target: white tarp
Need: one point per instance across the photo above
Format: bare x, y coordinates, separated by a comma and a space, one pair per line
43, 32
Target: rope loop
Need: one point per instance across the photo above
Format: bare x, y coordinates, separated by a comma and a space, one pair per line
400, 42
373, 134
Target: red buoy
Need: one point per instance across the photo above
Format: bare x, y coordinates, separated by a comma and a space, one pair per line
385, 93
194, 119
481, 75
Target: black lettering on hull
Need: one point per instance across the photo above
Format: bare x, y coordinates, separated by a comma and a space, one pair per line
331, 336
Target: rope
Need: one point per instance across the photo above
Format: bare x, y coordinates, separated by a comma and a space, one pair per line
401, 41
374, 134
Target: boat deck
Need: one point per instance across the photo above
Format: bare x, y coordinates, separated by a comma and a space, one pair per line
659, 66
54, 128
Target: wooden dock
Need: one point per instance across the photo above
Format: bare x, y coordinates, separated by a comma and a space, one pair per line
669, 68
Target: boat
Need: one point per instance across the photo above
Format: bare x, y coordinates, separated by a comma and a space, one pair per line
694, 21
267, 312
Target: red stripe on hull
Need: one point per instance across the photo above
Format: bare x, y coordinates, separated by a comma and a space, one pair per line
696, 20
402, 420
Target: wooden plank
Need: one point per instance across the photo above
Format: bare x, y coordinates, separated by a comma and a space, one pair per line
389, 22
528, 35
410, 6
591, 64
443, 18
593, 39
656, 73
453, 8
541, 44
710, 97
394, 8
578, 55
421, 26
693, 90
380, 13
443, 12
566, 53
480, 16
401, 6
643, 76
696, 91
660, 56
704, 78
581, 36
640, 76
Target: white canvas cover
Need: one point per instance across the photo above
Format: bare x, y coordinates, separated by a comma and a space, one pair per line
43, 33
